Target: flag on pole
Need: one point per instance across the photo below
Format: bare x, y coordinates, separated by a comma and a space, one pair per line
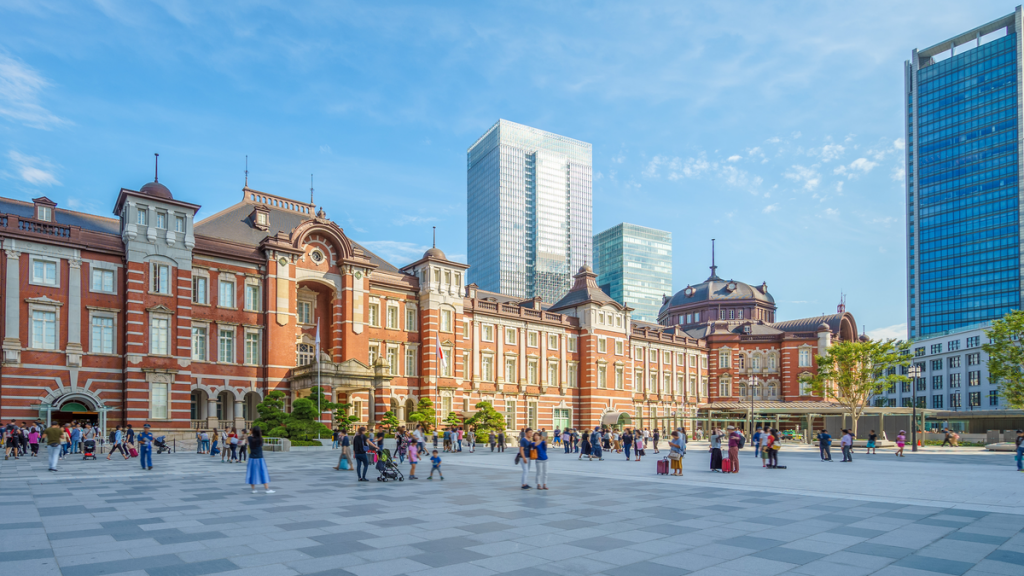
317, 344
440, 356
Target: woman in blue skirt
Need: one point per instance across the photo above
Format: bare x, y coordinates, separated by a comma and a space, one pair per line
256, 471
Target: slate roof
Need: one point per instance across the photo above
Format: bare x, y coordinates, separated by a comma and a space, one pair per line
584, 290
235, 224
67, 217
714, 289
811, 324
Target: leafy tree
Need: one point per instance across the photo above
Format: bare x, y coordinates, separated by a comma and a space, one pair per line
389, 421
852, 372
424, 414
453, 420
343, 418
271, 411
486, 419
1006, 357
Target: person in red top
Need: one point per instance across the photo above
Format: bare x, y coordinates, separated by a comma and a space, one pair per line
734, 449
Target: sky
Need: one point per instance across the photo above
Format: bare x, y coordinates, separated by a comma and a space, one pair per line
774, 127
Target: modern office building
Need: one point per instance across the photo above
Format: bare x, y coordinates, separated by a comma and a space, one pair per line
954, 375
529, 207
634, 266
963, 160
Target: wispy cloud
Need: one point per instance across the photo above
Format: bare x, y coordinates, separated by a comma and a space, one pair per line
398, 253
809, 177
34, 170
735, 158
855, 168
899, 173
20, 90
412, 219
898, 331
325, 149
770, 208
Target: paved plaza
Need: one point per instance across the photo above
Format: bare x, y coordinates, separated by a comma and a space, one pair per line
942, 511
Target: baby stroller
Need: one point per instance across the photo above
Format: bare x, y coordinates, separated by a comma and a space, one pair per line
161, 445
89, 450
387, 467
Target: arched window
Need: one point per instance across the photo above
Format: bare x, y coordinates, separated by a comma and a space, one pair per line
773, 390
742, 389
304, 354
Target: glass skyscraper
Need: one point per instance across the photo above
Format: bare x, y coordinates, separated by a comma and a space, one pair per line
634, 266
529, 205
963, 157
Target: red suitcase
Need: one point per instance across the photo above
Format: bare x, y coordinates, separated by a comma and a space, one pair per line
133, 452
663, 467
726, 465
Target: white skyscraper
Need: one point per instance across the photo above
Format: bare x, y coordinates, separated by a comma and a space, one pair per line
529, 211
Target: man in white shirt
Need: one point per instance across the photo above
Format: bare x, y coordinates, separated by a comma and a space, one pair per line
847, 445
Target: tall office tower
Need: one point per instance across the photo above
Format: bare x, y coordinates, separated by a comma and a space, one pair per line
963, 157
529, 207
634, 266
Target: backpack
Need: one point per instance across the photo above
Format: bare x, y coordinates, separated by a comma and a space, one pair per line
743, 442
113, 436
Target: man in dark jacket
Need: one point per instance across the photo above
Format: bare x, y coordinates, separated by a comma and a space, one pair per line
627, 441
595, 443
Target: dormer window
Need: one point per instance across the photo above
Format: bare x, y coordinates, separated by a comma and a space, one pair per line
261, 217
44, 213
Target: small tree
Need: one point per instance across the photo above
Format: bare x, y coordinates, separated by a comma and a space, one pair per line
302, 423
271, 411
852, 372
486, 419
390, 421
343, 418
424, 414
1006, 357
453, 420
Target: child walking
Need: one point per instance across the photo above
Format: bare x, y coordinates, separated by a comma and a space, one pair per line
639, 447
414, 457
901, 441
435, 464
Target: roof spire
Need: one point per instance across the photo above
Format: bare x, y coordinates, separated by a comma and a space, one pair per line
310, 188
714, 275
435, 236
156, 167
246, 170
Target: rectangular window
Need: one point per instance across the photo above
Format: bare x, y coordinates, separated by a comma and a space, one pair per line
952, 345
465, 329
679, 385
446, 367
937, 401
974, 341
158, 401
974, 359
179, 223
572, 344
161, 220
305, 312
392, 318
954, 380
410, 362
552, 374
572, 375
531, 339
410, 318
199, 343
45, 213
446, 320
252, 297
252, 348
531, 415
510, 414
226, 348
919, 351
937, 364
602, 376
953, 361
510, 370
374, 315
44, 272
620, 378
937, 348
161, 276
922, 384
159, 335
487, 368
143, 216
510, 335
805, 358
226, 294
638, 353
693, 360
954, 400
200, 289
392, 360
102, 280
531, 372
44, 330
904, 386
937, 382
691, 388
102, 338
552, 342
602, 345
619, 348
974, 378
725, 355
487, 331
993, 398
975, 399
704, 362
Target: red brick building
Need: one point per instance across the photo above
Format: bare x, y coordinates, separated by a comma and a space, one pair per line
152, 316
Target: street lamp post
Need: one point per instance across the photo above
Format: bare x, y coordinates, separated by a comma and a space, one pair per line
753, 391
915, 372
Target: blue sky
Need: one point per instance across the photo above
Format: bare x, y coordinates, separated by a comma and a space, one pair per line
775, 127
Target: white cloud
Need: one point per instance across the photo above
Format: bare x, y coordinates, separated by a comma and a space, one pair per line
412, 219
735, 158
899, 173
20, 88
830, 152
898, 331
862, 165
619, 159
831, 212
399, 253
809, 177
774, 140
325, 149
651, 171
839, 187
887, 221
35, 171
899, 144
770, 208
796, 135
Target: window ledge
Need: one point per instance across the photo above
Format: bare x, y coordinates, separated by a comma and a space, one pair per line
226, 307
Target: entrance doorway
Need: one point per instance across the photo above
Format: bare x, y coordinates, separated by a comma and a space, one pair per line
77, 411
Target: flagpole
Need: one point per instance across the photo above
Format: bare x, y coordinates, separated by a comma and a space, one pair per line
319, 391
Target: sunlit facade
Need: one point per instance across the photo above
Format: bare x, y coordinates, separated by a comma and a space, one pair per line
962, 154
634, 266
529, 211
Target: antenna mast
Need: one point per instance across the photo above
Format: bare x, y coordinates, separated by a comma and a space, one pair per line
156, 167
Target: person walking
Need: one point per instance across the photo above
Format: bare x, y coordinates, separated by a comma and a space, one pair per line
627, 442
947, 439
335, 439
360, 444
1020, 450
772, 448
825, 445
471, 438
585, 447
233, 443
346, 450
901, 441
539, 455
418, 435
243, 445
213, 446
734, 449
846, 444
435, 465
525, 445
756, 439
716, 450
639, 442
52, 436
205, 449
146, 448
492, 439
117, 443
567, 441
76, 439
256, 470
595, 443
655, 436
677, 447
33, 440
872, 443
414, 458
501, 441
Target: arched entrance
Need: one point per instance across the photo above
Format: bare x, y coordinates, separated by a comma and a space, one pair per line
76, 408
249, 403
198, 406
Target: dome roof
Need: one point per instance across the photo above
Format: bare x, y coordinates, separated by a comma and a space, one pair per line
156, 190
435, 253
824, 327
716, 289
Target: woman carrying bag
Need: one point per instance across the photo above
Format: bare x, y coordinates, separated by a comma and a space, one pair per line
675, 456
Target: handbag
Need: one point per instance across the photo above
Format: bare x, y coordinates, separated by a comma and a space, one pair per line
344, 464
674, 455
533, 454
